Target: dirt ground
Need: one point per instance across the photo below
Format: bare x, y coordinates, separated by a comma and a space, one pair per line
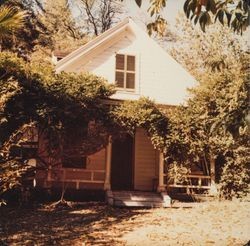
213, 223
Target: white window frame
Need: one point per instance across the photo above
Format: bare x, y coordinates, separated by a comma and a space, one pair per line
125, 71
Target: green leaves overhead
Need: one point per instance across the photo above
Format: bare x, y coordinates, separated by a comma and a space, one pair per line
144, 114
234, 13
138, 2
156, 6
10, 20
159, 24
204, 20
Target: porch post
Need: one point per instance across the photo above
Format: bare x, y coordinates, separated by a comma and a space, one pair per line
213, 189
161, 186
107, 185
212, 169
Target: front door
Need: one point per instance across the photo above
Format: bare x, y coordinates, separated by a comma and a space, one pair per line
122, 164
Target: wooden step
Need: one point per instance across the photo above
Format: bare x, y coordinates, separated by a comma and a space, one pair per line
138, 199
138, 193
129, 203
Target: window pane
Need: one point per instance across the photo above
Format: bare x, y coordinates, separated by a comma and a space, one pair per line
130, 83
119, 78
120, 62
131, 63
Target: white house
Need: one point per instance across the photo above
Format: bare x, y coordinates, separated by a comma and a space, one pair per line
127, 56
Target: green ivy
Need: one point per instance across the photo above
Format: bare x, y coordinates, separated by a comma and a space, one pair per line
145, 114
214, 121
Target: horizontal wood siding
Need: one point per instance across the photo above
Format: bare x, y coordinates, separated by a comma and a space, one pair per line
145, 162
96, 161
158, 75
79, 178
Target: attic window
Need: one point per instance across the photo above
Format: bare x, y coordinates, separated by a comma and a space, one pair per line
125, 72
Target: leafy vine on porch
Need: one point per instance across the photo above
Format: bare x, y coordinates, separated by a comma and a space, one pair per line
57, 102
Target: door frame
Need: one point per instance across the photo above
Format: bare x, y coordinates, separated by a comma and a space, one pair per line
132, 165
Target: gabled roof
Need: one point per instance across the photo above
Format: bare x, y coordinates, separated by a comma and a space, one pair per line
176, 77
93, 43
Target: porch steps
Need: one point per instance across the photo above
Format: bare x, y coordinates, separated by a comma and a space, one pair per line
138, 199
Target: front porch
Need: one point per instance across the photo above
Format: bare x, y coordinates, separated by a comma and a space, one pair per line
134, 165
149, 187
130, 171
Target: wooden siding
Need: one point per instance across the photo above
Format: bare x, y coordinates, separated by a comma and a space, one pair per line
96, 161
145, 162
92, 176
158, 75
104, 64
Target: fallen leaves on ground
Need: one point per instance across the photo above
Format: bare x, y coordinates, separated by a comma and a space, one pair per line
212, 223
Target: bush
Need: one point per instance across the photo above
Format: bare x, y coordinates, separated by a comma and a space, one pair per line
235, 175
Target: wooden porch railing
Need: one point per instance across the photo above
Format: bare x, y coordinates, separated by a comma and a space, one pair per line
194, 181
77, 175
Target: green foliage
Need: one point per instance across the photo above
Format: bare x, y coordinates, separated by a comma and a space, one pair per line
214, 121
12, 169
145, 114
53, 102
234, 13
10, 20
159, 24
177, 173
32, 33
138, 2
52, 95
235, 177
66, 34
58, 103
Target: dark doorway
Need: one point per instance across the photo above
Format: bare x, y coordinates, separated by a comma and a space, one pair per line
122, 164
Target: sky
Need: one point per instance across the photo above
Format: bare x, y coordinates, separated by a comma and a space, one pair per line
170, 12
141, 14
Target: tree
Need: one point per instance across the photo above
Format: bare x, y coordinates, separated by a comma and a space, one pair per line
60, 102
61, 25
10, 20
234, 13
213, 125
143, 113
64, 33
216, 49
33, 32
100, 14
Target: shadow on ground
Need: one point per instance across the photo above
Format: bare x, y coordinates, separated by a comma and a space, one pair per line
88, 223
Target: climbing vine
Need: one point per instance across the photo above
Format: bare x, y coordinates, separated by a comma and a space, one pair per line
145, 114
53, 103
214, 120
